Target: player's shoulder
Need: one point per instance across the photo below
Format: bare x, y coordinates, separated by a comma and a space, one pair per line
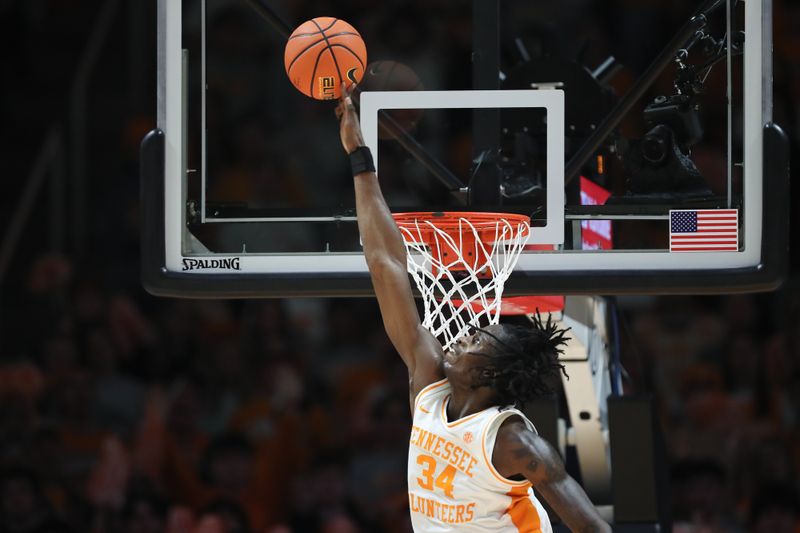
428, 389
515, 432
510, 445
519, 449
513, 426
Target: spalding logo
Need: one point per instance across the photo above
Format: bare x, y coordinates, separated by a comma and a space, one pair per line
229, 263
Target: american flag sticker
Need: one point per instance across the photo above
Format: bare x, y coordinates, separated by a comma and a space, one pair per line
704, 230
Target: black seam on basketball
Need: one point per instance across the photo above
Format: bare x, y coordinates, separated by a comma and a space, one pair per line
321, 30
303, 51
332, 35
351, 51
307, 48
341, 33
336, 63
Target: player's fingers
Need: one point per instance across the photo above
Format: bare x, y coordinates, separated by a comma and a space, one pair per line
348, 108
346, 93
343, 106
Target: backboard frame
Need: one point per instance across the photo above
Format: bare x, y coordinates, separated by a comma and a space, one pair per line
164, 268
765, 276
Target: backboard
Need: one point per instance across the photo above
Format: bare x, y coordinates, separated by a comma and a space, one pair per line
638, 138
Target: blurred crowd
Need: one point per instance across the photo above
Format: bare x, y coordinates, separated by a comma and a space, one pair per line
186, 416
726, 373
120, 412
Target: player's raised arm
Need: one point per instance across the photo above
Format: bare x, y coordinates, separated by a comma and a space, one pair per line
520, 451
386, 258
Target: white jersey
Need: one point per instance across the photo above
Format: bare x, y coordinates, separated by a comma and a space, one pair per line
452, 484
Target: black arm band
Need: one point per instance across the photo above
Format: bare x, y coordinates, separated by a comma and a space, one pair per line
361, 160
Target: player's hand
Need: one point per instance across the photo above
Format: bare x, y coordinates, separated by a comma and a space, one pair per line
349, 127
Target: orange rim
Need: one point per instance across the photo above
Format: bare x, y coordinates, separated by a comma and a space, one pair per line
480, 227
449, 220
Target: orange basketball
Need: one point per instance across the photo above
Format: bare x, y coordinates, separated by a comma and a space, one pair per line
321, 53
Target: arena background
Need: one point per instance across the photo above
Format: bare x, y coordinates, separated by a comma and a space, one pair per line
124, 412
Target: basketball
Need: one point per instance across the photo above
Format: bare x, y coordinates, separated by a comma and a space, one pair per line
323, 52
393, 76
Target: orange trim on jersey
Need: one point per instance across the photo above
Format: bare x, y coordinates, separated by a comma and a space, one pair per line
460, 420
522, 511
488, 459
424, 410
429, 388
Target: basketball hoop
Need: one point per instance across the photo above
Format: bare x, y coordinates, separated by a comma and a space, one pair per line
460, 262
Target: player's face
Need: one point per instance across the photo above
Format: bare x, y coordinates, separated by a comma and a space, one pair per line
471, 352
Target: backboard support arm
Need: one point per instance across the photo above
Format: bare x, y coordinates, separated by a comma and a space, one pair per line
631, 98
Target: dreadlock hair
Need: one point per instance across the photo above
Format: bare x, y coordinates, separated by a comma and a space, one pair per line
525, 363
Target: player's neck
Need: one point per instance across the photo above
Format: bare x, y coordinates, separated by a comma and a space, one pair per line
465, 402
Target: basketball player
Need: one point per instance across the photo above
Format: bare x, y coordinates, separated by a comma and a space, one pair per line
473, 456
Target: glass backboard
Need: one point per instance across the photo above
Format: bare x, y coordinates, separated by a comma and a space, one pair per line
636, 136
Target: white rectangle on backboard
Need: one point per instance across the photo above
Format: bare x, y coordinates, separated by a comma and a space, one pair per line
551, 100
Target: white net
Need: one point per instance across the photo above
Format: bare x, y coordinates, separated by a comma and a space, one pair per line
460, 267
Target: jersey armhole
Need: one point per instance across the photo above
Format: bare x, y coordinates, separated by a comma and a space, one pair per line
490, 434
521, 415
